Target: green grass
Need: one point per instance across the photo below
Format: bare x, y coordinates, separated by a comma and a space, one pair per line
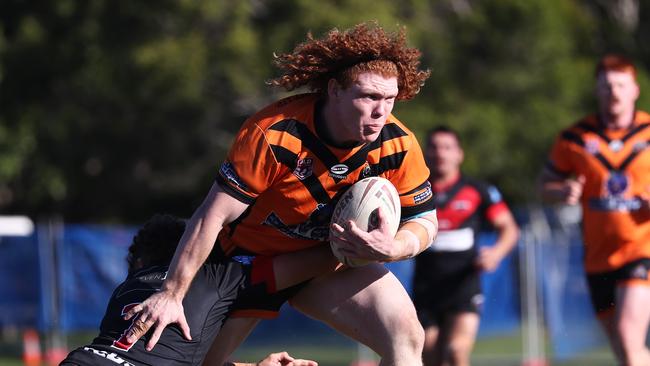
493, 351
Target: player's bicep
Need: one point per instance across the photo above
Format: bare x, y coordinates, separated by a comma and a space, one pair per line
222, 205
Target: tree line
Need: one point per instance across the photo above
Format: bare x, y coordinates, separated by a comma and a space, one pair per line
113, 110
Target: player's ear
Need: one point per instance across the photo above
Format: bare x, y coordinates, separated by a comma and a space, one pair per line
333, 88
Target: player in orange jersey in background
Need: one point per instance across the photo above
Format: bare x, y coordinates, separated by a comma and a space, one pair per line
287, 167
603, 163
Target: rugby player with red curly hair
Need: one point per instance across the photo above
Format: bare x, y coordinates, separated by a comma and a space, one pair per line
288, 165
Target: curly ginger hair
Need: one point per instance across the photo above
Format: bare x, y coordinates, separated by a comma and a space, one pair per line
344, 55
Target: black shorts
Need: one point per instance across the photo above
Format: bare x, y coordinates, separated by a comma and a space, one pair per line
602, 285
446, 283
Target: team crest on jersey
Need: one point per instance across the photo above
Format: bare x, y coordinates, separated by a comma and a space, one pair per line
366, 171
615, 198
592, 146
617, 184
339, 171
304, 168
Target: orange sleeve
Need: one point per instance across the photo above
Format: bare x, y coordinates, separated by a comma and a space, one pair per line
560, 161
250, 167
412, 182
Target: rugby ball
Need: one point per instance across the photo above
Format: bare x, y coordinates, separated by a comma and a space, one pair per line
360, 204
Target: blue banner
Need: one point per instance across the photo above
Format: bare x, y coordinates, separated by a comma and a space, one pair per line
92, 263
20, 284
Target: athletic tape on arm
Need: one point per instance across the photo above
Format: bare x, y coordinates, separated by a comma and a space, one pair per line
413, 242
429, 226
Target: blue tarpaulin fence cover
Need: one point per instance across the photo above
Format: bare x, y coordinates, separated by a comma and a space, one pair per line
91, 262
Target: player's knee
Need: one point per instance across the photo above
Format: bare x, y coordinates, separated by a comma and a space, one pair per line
413, 343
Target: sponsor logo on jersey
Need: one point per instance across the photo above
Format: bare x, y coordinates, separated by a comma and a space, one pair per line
339, 171
315, 228
423, 196
304, 168
228, 172
614, 204
150, 277
616, 145
615, 198
111, 356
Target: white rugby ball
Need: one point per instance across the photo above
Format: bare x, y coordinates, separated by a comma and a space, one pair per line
360, 204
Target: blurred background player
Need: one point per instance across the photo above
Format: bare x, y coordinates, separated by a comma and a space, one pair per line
447, 288
287, 167
208, 301
603, 163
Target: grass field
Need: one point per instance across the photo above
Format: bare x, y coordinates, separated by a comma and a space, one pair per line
493, 351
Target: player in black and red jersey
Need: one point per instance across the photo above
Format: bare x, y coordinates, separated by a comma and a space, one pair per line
447, 291
210, 298
287, 167
602, 162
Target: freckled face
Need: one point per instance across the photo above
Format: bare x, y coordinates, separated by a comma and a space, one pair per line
361, 110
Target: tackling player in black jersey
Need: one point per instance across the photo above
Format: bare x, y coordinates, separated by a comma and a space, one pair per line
210, 298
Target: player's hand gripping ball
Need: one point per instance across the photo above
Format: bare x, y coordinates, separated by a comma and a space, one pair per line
360, 204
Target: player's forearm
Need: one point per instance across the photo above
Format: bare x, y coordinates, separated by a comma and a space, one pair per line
507, 233
195, 246
506, 241
415, 236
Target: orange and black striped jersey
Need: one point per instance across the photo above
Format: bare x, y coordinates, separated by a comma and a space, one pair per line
292, 179
616, 165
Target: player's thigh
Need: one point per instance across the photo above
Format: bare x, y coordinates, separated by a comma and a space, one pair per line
633, 311
231, 335
366, 303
